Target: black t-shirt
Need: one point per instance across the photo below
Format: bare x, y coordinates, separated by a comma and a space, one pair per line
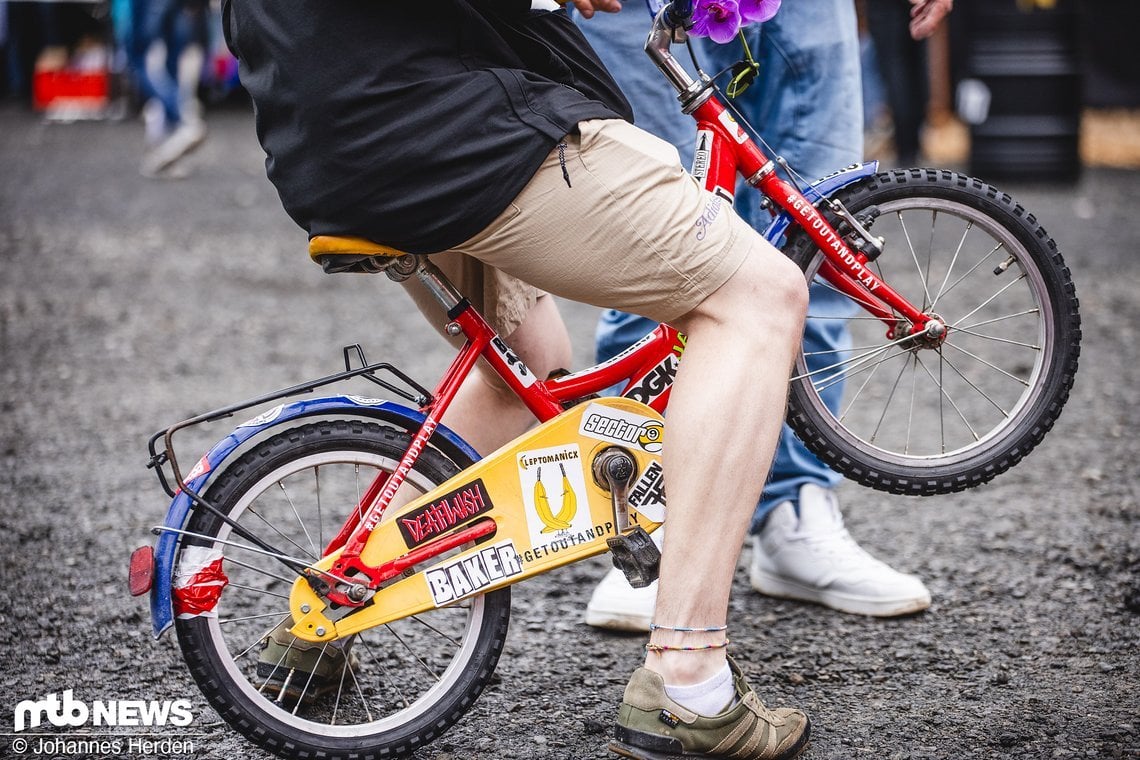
411, 123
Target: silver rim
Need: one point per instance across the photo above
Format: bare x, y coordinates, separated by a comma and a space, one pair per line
395, 673
935, 403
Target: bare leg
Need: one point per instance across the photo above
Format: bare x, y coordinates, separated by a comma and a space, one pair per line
744, 335
485, 412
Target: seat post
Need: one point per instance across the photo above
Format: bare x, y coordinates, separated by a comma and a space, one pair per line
437, 283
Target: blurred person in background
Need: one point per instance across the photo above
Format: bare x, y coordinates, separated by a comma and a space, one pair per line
806, 104
173, 118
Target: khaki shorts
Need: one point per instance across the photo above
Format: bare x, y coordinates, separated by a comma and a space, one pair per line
632, 231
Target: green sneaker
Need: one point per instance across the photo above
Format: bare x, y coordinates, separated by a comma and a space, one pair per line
653, 727
289, 668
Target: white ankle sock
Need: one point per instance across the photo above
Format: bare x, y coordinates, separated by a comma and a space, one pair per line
709, 697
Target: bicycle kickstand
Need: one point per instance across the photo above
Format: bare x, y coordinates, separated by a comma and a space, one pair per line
633, 551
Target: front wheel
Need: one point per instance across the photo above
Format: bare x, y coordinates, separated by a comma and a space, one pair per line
380, 693
937, 415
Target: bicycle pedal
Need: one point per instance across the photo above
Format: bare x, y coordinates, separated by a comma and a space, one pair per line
636, 556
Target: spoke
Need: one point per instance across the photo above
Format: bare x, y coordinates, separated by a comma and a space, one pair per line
887, 404
435, 630
914, 257
263, 591
261, 689
260, 638
988, 301
970, 271
859, 392
248, 617
855, 359
930, 256
998, 319
395, 687
950, 269
845, 319
359, 691
320, 517
278, 531
945, 395
845, 376
339, 691
998, 340
415, 656
256, 569
843, 350
312, 675
982, 393
285, 492
975, 357
913, 392
255, 549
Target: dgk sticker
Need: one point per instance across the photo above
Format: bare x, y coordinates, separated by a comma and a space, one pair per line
616, 426
554, 493
648, 493
477, 572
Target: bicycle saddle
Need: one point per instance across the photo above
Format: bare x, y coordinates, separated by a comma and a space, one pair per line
350, 254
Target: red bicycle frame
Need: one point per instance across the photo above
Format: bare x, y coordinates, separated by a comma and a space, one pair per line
724, 152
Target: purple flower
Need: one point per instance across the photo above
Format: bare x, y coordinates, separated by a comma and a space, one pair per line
718, 20
756, 11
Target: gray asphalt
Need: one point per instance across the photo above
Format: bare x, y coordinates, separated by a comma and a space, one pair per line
127, 304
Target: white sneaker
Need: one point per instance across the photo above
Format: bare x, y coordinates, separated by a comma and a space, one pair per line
813, 558
185, 138
617, 606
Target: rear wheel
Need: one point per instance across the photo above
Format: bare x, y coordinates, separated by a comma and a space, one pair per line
936, 415
388, 690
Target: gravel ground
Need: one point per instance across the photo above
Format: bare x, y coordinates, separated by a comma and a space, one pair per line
127, 304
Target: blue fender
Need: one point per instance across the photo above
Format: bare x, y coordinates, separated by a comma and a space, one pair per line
817, 191
161, 608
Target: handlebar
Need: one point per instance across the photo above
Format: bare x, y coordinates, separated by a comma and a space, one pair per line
669, 28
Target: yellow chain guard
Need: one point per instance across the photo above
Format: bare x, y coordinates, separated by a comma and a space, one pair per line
547, 507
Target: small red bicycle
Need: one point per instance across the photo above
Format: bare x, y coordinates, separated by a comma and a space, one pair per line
389, 613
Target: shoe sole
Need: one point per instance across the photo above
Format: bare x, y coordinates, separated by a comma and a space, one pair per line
782, 588
637, 753
158, 167
616, 621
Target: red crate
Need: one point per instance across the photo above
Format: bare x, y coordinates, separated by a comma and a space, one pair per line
71, 90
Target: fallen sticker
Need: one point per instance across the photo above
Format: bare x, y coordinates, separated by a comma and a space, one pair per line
648, 493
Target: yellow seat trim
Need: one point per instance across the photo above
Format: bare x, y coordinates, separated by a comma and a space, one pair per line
322, 245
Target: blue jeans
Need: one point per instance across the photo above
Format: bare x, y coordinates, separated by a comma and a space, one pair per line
807, 105
153, 20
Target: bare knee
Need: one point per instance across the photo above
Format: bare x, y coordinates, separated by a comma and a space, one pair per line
767, 295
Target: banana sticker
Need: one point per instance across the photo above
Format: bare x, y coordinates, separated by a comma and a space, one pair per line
542, 505
552, 514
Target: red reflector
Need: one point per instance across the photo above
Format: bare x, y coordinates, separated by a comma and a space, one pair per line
142, 570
